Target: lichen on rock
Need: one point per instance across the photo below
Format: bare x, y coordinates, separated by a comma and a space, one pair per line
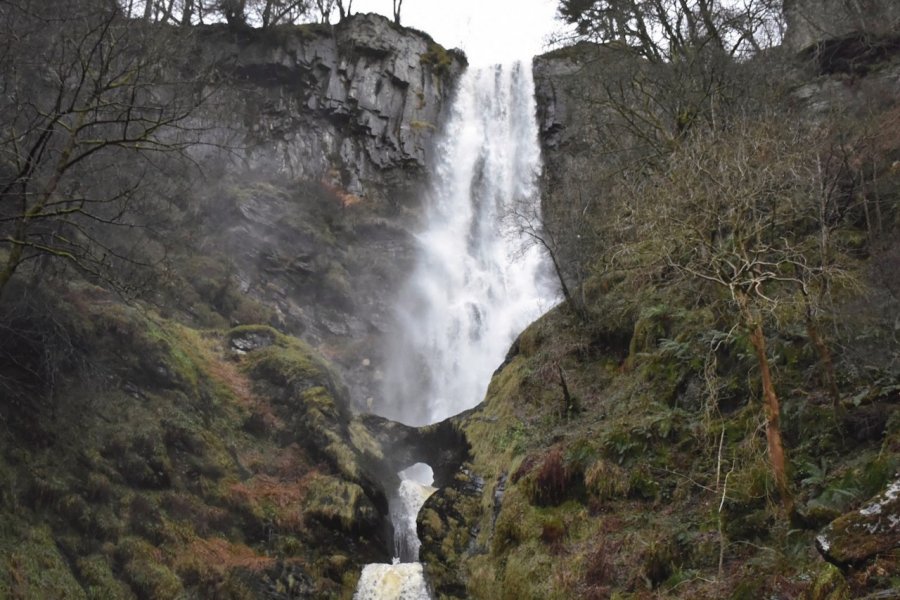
861, 535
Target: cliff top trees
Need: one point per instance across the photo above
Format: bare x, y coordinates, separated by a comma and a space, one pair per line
91, 108
237, 13
663, 29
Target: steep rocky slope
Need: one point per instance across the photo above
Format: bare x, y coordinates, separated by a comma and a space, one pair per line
201, 442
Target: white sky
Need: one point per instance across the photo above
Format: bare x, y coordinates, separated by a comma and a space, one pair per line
490, 31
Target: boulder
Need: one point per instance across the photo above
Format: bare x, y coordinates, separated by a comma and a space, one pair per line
861, 535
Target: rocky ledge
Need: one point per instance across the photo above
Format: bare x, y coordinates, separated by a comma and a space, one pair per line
358, 98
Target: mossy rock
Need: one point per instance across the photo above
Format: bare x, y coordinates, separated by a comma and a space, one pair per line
340, 504
449, 535
438, 58
861, 535
829, 585
287, 363
247, 338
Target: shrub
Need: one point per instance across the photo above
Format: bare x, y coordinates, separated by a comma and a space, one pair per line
437, 58
606, 481
553, 534
552, 480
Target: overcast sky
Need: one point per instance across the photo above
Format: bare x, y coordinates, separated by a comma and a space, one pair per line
490, 31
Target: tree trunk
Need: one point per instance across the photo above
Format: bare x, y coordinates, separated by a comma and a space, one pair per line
771, 405
824, 351
12, 262
772, 409
188, 13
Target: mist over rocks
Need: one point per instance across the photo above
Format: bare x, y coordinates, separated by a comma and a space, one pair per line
318, 142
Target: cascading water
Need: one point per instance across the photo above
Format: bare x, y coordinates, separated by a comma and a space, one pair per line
401, 580
479, 279
478, 282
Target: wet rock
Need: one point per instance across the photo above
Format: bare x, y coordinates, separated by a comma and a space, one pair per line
249, 340
444, 526
858, 536
390, 447
360, 97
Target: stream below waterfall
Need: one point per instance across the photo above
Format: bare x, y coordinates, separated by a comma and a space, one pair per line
479, 281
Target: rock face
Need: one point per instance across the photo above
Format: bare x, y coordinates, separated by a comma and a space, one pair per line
361, 98
327, 132
861, 535
813, 21
570, 88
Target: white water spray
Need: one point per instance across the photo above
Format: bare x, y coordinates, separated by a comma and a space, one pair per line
479, 279
478, 282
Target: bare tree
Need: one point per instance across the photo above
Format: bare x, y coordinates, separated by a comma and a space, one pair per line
275, 12
89, 111
661, 30
398, 4
234, 12
344, 8
744, 212
325, 8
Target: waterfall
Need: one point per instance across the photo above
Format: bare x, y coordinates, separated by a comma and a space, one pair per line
401, 580
478, 282
415, 488
479, 279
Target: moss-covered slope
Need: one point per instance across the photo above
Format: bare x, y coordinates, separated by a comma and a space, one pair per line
143, 458
600, 474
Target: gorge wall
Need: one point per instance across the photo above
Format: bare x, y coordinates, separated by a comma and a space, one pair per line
323, 135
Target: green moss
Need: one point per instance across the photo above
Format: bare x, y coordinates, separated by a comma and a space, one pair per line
512, 524
32, 568
153, 580
438, 58
338, 503
288, 363
829, 585
98, 580
417, 125
364, 441
431, 522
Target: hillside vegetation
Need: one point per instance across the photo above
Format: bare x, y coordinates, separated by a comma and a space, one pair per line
712, 412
